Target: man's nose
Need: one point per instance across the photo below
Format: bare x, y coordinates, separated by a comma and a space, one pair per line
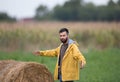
62, 36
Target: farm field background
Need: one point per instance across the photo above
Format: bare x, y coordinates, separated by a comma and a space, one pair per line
98, 41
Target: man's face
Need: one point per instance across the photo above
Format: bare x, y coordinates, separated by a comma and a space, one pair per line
63, 37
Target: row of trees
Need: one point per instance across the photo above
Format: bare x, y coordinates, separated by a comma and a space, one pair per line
77, 10
6, 17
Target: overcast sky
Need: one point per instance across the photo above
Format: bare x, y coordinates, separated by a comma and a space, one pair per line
26, 8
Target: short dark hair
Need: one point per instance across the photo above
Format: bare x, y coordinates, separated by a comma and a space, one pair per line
64, 30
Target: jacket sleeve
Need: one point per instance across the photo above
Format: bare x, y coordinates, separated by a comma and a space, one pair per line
77, 55
53, 52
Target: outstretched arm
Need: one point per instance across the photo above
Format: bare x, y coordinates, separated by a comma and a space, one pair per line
53, 52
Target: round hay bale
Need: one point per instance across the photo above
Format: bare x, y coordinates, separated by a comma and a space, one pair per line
14, 71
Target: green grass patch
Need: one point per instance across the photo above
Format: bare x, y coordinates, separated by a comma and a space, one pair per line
102, 66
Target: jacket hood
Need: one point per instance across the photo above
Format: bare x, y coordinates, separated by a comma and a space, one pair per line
70, 41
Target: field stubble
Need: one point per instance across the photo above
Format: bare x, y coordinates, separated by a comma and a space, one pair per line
44, 35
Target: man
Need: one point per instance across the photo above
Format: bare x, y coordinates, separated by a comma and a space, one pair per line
69, 57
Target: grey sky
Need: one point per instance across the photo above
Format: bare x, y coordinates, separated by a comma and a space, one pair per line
26, 8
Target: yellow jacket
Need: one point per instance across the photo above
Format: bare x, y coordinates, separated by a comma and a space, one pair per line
70, 62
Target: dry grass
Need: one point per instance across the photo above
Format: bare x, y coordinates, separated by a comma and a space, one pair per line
13, 71
31, 35
81, 26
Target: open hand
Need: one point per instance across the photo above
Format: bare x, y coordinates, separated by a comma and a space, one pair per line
82, 64
37, 52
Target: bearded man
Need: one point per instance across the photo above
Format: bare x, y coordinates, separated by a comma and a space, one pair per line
69, 58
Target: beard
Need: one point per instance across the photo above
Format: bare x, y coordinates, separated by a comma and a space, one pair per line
64, 40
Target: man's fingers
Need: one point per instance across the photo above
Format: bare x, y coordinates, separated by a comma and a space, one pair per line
82, 65
36, 52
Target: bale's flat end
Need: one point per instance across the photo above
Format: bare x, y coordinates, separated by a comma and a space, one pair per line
16, 71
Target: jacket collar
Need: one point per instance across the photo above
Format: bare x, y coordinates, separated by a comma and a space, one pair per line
70, 41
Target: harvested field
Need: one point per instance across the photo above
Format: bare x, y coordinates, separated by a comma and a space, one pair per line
14, 71
28, 36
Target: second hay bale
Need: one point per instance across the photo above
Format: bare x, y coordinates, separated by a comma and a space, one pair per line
14, 71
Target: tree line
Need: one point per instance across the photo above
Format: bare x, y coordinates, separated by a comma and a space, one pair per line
77, 10
6, 17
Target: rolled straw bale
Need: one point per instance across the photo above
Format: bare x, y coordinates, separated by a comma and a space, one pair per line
16, 71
